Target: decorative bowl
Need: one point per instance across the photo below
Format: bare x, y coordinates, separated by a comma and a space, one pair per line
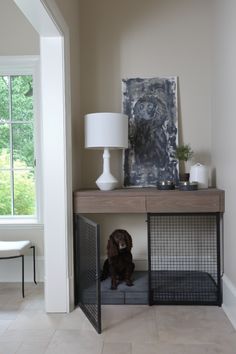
188, 186
165, 185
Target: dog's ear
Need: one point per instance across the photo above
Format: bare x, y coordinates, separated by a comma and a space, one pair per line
128, 240
112, 248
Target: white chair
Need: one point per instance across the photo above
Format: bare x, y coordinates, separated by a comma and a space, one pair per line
16, 249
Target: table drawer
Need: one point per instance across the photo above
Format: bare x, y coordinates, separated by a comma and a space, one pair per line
191, 202
109, 204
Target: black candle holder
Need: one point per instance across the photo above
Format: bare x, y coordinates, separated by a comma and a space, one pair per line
188, 186
165, 185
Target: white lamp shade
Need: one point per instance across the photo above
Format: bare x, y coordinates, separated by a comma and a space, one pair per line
106, 130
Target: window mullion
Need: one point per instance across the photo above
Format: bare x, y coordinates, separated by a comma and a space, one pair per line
11, 146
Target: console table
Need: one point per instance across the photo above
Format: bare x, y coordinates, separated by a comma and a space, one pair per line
149, 200
184, 244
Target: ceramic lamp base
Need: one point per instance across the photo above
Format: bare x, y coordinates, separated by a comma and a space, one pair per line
106, 182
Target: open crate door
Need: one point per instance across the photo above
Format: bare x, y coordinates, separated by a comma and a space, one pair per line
87, 269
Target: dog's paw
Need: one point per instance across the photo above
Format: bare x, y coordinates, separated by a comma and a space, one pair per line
129, 283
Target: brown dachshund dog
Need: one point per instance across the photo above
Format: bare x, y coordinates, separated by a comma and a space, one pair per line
119, 264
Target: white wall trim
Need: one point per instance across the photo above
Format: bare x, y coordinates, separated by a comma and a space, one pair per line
15, 64
229, 300
54, 182
11, 225
10, 270
57, 18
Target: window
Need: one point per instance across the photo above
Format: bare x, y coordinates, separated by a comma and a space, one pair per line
18, 140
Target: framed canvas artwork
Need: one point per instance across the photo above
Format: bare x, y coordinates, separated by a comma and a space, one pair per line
151, 105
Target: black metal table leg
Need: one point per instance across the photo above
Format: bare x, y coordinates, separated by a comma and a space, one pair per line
23, 280
33, 247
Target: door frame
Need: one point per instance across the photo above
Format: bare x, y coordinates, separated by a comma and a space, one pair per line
56, 151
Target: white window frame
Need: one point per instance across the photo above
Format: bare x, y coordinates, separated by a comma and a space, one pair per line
27, 65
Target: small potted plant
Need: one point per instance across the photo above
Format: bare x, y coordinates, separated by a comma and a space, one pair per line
183, 153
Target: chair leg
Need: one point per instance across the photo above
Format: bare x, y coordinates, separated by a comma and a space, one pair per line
33, 247
23, 280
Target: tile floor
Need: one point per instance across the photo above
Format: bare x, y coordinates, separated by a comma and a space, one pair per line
26, 329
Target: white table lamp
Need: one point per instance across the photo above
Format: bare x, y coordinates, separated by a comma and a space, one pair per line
106, 131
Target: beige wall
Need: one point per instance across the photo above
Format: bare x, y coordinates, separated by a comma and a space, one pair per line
136, 38
17, 36
224, 122
135, 224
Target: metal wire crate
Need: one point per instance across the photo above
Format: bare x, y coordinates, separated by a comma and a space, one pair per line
87, 269
184, 259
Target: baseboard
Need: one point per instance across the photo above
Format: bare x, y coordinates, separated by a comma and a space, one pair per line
10, 270
229, 300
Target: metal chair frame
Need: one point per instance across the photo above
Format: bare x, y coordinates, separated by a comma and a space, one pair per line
23, 271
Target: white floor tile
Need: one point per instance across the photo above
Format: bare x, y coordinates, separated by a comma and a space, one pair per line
4, 324
117, 348
36, 319
9, 347
32, 348
27, 336
166, 348
25, 328
137, 325
74, 342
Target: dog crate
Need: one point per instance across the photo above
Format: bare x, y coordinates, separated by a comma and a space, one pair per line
184, 259
183, 265
183, 244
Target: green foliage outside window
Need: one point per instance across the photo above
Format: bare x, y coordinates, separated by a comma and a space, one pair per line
16, 103
24, 188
